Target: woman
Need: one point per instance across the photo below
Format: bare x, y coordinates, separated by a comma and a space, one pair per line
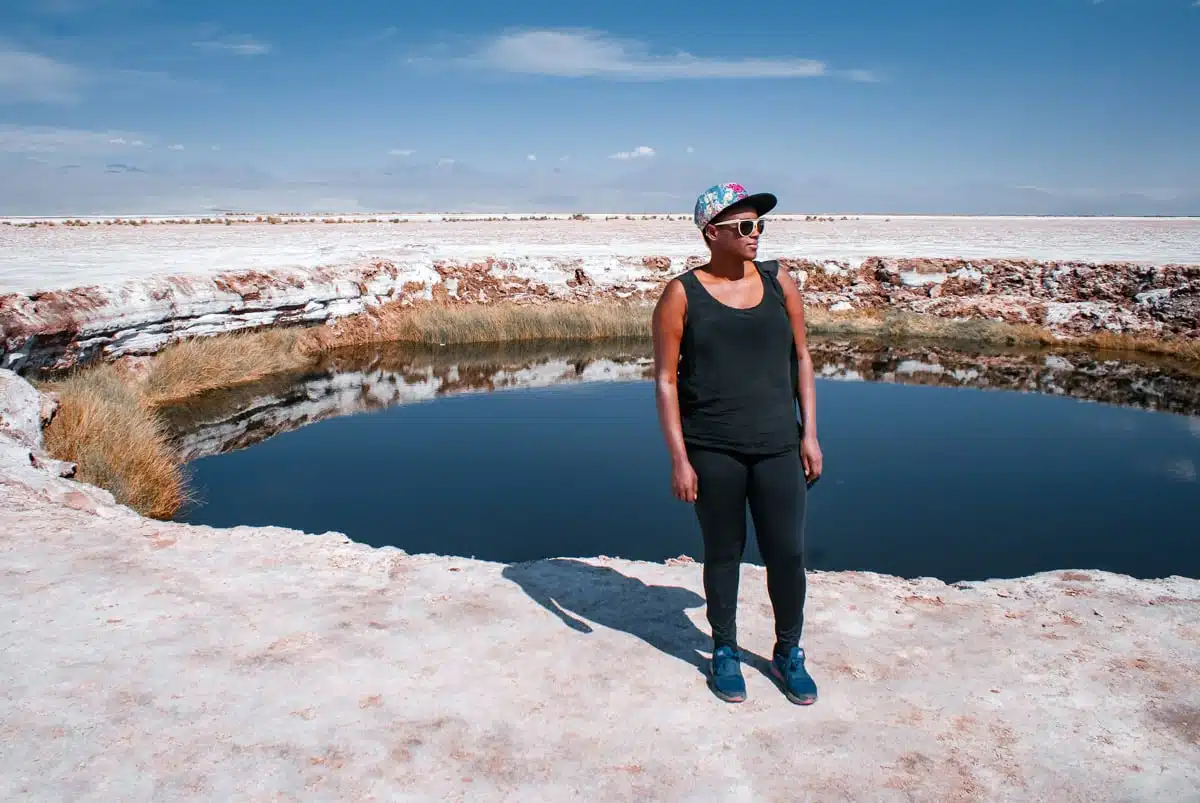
730, 361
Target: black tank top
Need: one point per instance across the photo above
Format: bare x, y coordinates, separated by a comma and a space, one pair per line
737, 371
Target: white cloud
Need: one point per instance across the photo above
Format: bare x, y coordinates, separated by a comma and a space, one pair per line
444, 162
216, 147
240, 44
531, 157
47, 139
862, 76
640, 152
400, 152
581, 53
27, 77
30, 77
690, 149
175, 147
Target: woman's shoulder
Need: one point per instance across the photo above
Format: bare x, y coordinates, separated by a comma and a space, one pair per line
770, 267
674, 293
685, 282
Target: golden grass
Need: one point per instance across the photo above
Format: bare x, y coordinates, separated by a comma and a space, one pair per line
911, 325
493, 323
192, 367
116, 441
1176, 347
187, 369
899, 325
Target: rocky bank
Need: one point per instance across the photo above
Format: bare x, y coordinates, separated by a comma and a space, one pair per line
107, 291
148, 660
61, 328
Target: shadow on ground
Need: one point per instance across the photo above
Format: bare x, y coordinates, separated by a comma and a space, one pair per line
581, 594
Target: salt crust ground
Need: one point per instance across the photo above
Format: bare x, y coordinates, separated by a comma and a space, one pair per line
62, 257
154, 661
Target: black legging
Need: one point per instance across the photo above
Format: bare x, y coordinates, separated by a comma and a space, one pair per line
775, 489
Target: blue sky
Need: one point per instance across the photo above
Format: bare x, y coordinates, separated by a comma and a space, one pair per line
1030, 106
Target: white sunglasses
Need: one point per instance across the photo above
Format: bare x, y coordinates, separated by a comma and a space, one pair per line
746, 226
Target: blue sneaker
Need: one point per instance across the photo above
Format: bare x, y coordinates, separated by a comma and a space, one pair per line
798, 685
726, 678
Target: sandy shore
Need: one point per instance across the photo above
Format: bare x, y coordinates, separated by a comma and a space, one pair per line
147, 660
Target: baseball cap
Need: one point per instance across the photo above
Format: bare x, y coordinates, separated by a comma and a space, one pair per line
719, 197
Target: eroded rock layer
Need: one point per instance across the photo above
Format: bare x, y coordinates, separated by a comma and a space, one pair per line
57, 329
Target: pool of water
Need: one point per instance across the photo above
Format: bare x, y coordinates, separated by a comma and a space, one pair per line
541, 451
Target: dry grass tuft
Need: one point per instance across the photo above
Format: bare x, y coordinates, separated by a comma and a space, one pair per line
912, 325
493, 323
117, 442
987, 333
1176, 347
192, 367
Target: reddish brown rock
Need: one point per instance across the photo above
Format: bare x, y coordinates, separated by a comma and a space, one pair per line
580, 279
959, 286
1023, 310
794, 266
48, 407
248, 284
819, 281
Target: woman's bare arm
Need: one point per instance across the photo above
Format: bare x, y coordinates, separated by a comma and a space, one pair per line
806, 389
667, 326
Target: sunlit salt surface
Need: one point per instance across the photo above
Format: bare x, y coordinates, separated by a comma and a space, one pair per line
67, 256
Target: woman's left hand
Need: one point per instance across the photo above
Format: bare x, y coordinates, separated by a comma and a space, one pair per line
811, 458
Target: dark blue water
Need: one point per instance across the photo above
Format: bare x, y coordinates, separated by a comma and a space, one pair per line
919, 481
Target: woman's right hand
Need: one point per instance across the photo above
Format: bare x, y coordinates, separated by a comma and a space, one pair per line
684, 483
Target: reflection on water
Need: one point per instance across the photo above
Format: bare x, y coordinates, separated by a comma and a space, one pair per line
950, 482
381, 376
358, 380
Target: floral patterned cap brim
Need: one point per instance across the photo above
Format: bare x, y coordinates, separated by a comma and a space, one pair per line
719, 197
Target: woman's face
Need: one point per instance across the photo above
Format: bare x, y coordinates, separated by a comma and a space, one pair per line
726, 236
